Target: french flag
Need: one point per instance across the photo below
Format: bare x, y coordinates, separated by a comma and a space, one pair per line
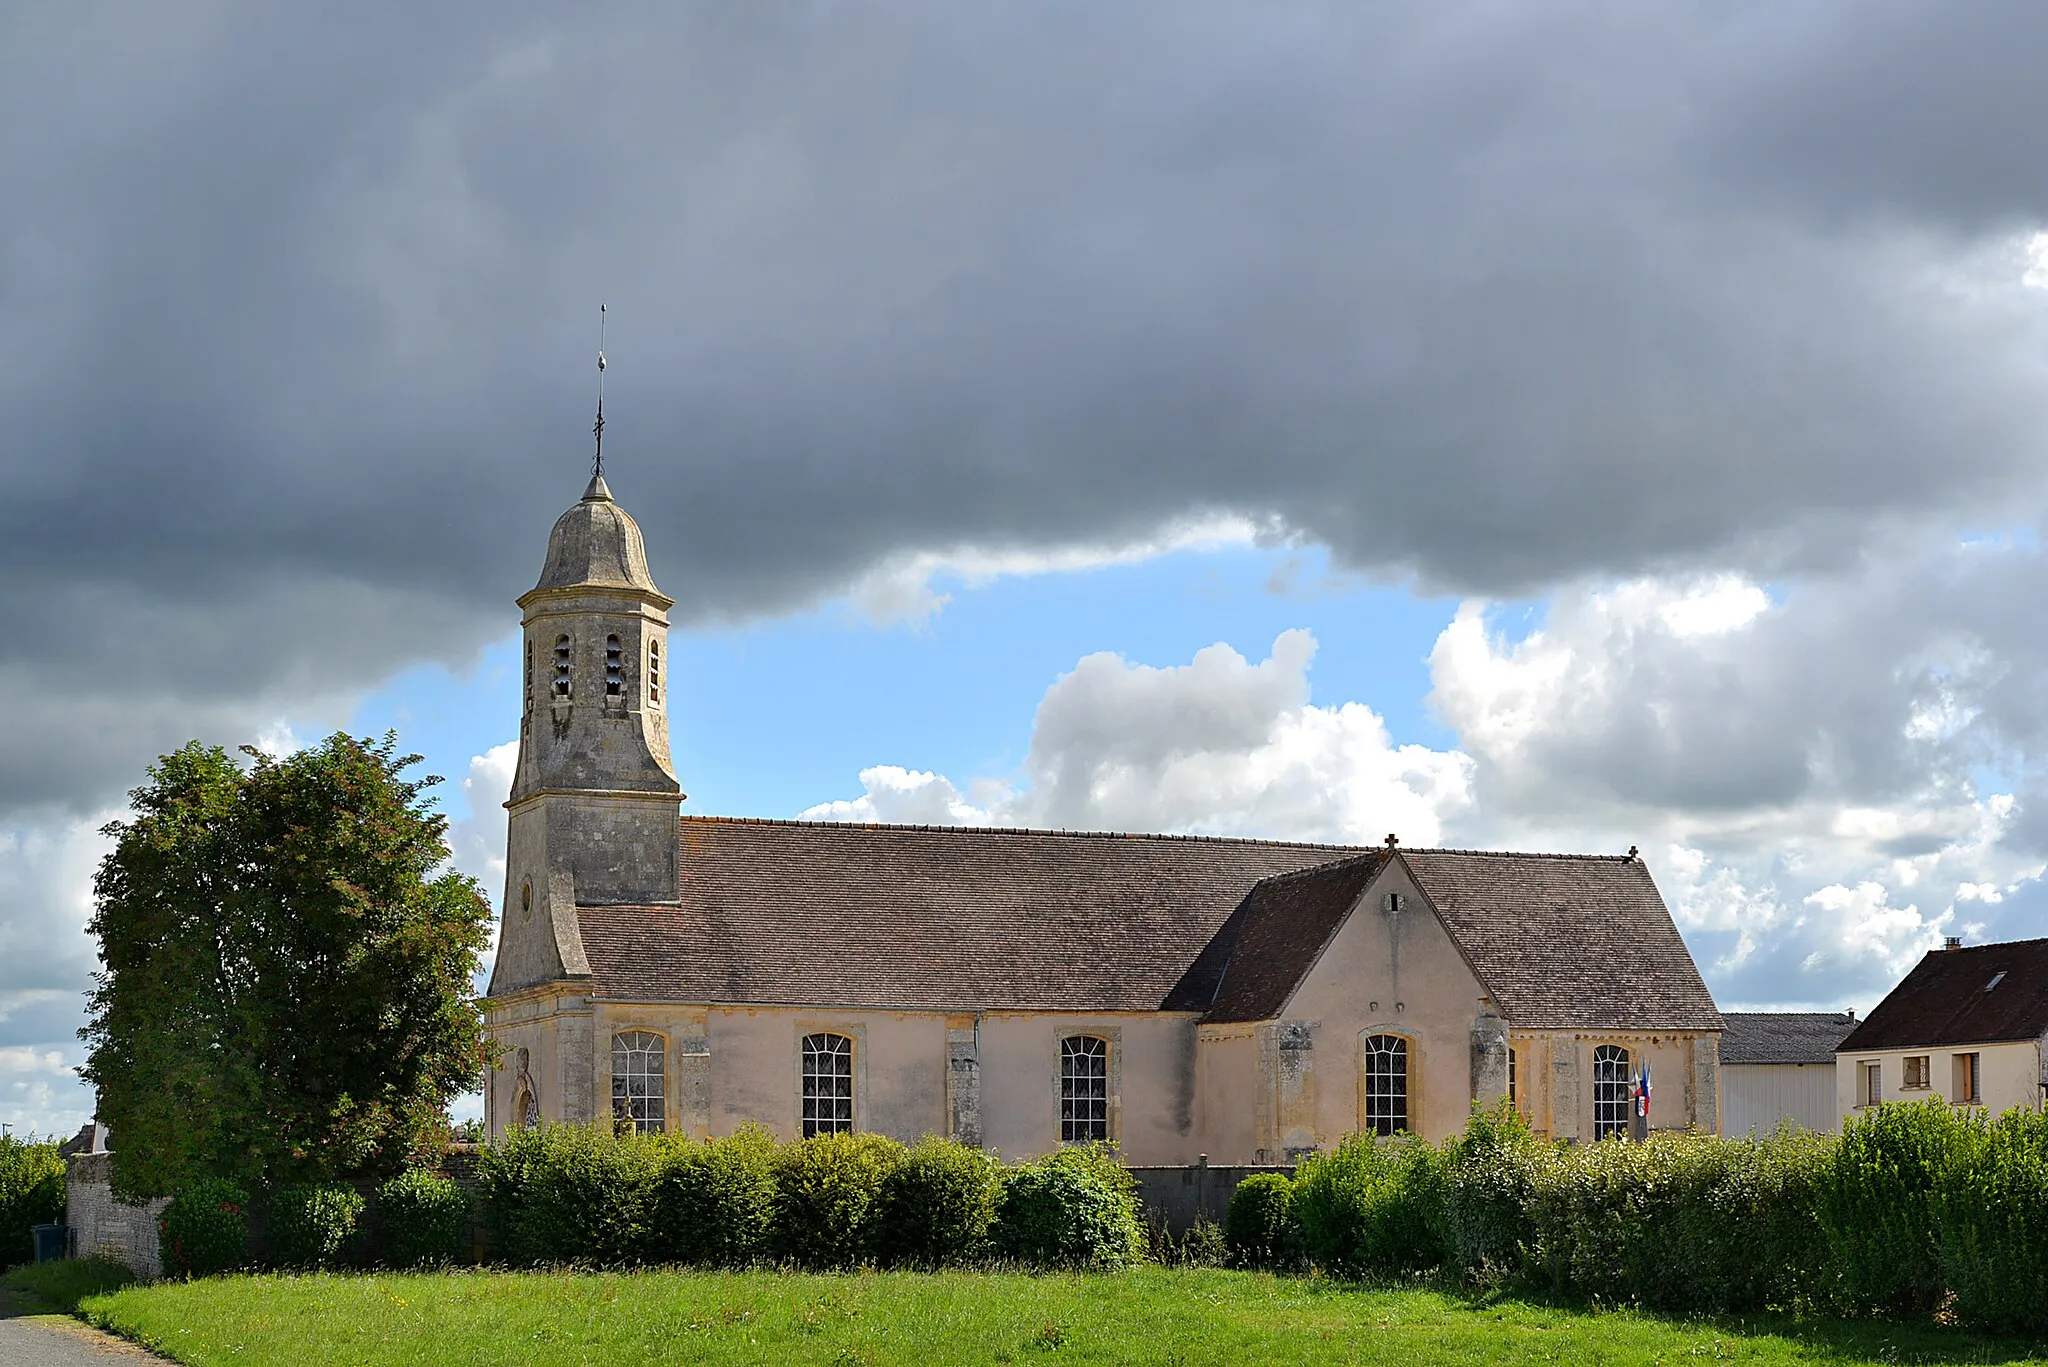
1643, 1092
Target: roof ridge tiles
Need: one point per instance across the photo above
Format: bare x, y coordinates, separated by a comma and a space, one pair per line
1349, 851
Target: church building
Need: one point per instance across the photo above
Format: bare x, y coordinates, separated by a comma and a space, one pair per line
1251, 1000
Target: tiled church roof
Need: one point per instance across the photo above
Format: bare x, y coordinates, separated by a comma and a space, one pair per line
957, 918
940, 917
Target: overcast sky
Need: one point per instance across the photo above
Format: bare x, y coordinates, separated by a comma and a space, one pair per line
1565, 426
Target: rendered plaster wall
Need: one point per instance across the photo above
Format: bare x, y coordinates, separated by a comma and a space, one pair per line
1554, 1078
554, 1027
1384, 973
1152, 1060
2008, 1075
1232, 1102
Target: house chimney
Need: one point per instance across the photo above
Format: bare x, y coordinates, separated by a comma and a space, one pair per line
1952, 942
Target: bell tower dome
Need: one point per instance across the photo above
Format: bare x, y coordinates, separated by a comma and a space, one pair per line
595, 802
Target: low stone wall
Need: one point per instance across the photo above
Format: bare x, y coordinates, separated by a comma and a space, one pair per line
102, 1225
1174, 1196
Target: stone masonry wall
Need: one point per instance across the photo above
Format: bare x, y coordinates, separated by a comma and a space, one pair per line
102, 1225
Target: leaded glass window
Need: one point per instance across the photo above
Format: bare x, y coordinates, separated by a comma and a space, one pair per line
1084, 1090
638, 1095
828, 1085
1611, 1099
1386, 1084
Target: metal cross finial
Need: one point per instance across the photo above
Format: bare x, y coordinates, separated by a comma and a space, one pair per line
597, 465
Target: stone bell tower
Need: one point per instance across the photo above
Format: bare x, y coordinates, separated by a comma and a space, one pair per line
595, 802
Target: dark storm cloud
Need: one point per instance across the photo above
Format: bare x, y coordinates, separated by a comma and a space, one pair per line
298, 309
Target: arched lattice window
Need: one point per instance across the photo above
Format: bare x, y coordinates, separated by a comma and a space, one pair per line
654, 673
828, 1084
1610, 1091
614, 667
1084, 1090
1386, 1084
561, 666
637, 1083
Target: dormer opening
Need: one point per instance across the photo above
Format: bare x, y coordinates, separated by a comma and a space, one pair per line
561, 666
614, 667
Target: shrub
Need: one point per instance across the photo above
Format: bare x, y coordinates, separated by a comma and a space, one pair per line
715, 1202
204, 1229
936, 1205
559, 1194
1489, 1179
422, 1221
1371, 1206
1750, 1237
1260, 1229
827, 1191
1874, 1205
31, 1193
1990, 1217
314, 1225
1074, 1208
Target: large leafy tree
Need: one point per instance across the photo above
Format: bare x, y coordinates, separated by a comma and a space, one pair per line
286, 965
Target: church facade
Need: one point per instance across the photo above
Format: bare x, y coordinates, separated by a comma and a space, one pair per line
1249, 1000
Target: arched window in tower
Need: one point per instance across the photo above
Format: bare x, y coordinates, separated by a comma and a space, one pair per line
1386, 1084
561, 666
529, 676
638, 1093
614, 667
654, 673
1610, 1091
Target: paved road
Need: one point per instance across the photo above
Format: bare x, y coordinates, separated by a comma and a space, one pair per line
59, 1341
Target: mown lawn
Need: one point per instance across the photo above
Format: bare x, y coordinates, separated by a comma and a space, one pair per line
1150, 1316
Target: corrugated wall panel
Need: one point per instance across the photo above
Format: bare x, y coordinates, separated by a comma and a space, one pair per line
1756, 1096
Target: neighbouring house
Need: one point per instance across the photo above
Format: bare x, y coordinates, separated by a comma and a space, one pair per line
1778, 1066
1968, 1025
1249, 1000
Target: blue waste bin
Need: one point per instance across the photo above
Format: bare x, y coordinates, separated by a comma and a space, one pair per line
49, 1242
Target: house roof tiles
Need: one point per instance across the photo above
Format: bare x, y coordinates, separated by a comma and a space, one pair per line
1984, 994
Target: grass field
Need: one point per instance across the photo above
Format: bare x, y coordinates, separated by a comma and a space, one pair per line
1150, 1316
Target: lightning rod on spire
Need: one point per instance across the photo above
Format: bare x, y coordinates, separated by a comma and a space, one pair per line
597, 465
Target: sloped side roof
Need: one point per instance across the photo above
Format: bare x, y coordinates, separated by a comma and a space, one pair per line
1280, 930
1783, 1036
943, 917
1948, 999
1568, 942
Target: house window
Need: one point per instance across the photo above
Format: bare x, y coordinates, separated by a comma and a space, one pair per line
614, 667
637, 1091
561, 666
654, 672
828, 1085
1870, 1085
1513, 1100
1967, 1079
1611, 1100
1917, 1075
1084, 1090
1386, 1084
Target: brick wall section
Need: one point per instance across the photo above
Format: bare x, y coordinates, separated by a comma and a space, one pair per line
102, 1225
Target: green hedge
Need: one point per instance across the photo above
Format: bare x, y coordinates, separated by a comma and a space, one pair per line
204, 1230
1261, 1229
715, 1203
828, 1196
1989, 1212
315, 1225
936, 1205
422, 1221
31, 1194
1075, 1208
1875, 1208
1372, 1206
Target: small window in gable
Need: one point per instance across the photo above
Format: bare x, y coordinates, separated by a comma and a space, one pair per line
561, 666
654, 673
1084, 1090
614, 667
